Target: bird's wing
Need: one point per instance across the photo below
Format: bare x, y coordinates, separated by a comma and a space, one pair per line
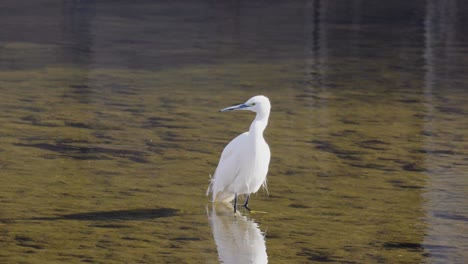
228, 168
233, 148
267, 155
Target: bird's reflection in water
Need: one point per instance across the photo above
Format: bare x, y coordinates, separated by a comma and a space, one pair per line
238, 238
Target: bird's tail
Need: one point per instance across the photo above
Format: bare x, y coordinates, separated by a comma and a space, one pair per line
210, 186
223, 197
265, 186
219, 196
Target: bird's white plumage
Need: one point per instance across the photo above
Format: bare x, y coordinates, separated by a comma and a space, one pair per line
244, 162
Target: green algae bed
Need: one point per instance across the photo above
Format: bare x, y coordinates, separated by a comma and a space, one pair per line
109, 166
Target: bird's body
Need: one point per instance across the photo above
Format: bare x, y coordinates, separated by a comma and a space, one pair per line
244, 162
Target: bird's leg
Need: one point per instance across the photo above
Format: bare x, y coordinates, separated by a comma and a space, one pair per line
235, 202
246, 204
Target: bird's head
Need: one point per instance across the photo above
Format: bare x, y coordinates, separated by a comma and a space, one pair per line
257, 104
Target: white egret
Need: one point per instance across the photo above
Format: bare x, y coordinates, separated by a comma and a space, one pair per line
243, 165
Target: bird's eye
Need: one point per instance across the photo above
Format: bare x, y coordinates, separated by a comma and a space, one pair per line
253, 104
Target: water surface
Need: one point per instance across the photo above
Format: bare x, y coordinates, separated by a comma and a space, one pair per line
110, 129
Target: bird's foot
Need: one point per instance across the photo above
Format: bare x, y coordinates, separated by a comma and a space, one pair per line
247, 208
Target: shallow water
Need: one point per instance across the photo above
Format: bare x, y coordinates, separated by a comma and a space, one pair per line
110, 130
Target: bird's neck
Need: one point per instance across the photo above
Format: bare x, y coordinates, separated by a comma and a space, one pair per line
259, 124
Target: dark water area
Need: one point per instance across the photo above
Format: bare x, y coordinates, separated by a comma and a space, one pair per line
110, 129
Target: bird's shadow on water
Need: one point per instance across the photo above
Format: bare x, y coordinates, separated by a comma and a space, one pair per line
238, 238
127, 215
